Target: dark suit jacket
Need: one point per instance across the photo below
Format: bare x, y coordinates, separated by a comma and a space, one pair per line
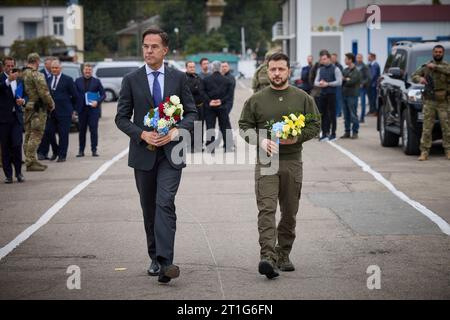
7, 102
65, 96
135, 100
95, 85
218, 87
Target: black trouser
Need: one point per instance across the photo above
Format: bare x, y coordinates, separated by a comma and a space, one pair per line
195, 140
328, 111
157, 189
224, 123
11, 139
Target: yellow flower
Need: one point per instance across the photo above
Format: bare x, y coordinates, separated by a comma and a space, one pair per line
294, 133
286, 128
293, 116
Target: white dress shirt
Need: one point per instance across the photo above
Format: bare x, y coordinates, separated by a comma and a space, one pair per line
55, 81
151, 78
13, 86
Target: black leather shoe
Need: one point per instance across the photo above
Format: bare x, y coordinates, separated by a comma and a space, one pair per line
168, 273
53, 157
20, 178
8, 180
95, 154
61, 160
154, 269
80, 154
42, 157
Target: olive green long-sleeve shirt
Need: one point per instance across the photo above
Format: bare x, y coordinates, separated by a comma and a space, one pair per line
270, 104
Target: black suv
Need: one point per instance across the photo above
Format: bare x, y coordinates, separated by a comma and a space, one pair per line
399, 100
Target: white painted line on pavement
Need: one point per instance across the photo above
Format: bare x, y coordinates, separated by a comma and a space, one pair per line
441, 223
212, 255
50, 213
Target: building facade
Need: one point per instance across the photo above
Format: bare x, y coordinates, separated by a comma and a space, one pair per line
308, 26
29, 22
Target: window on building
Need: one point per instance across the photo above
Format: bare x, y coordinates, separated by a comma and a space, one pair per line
30, 30
2, 32
58, 26
355, 47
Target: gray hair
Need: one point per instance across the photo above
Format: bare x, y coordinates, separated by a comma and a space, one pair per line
215, 66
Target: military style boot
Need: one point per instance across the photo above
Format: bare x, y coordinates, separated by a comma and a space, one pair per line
268, 268
36, 166
283, 262
423, 156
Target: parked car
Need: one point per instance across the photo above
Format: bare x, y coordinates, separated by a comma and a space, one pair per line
399, 100
295, 78
111, 75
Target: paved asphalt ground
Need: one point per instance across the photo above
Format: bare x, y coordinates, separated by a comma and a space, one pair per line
347, 222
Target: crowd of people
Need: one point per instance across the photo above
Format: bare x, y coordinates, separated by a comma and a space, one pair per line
336, 89
213, 91
41, 104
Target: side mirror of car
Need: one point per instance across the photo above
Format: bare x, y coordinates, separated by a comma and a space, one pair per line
395, 73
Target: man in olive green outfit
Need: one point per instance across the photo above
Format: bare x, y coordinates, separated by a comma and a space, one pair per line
436, 75
284, 185
35, 115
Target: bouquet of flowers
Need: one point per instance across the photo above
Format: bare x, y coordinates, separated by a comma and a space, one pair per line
164, 117
288, 128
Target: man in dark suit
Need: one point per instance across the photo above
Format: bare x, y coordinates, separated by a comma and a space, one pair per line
157, 172
62, 89
47, 69
88, 112
11, 121
218, 96
48, 139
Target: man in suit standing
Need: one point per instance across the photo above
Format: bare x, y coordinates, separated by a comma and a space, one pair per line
62, 89
48, 139
217, 100
88, 113
375, 74
47, 69
157, 172
11, 121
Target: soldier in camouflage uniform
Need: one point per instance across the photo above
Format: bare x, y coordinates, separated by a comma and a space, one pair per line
261, 79
435, 73
35, 115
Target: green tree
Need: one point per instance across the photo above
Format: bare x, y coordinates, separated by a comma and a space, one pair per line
211, 42
42, 45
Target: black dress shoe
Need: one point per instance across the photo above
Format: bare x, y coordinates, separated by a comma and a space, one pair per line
53, 157
61, 160
168, 273
80, 154
154, 269
42, 157
20, 178
8, 180
95, 154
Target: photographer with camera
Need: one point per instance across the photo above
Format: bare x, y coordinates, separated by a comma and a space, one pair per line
40, 101
435, 75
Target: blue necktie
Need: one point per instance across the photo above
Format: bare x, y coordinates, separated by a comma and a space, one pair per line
157, 96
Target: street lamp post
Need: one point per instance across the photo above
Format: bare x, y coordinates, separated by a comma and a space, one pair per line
177, 33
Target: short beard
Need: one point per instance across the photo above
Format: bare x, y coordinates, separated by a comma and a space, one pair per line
438, 59
280, 85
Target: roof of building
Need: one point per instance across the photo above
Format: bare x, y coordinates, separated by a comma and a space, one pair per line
132, 27
399, 13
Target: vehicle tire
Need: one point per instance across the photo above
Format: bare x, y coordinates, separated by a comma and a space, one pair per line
410, 140
109, 95
387, 138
